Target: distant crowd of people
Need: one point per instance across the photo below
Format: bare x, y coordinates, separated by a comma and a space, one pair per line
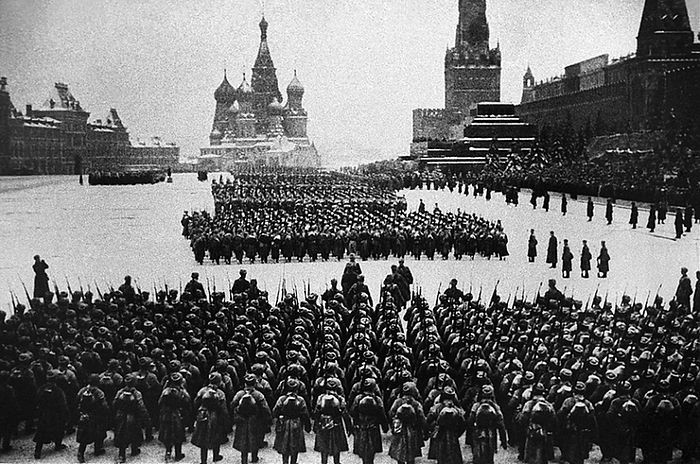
275, 214
684, 218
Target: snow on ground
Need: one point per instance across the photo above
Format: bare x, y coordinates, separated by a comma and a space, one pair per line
97, 235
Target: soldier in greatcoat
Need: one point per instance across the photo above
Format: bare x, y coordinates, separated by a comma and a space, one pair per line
210, 418
8, 411
448, 423
409, 427
369, 417
52, 414
130, 419
292, 419
485, 422
93, 418
174, 410
252, 418
331, 420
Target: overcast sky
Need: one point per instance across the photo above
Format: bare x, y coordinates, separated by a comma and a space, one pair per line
365, 64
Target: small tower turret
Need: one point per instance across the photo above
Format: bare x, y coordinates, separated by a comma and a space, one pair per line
528, 85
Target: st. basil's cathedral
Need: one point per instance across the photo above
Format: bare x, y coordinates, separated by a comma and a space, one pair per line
252, 123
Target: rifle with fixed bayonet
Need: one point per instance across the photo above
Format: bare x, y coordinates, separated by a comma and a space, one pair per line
539, 289
495, 292
70, 290
14, 303
55, 288
657, 293
26, 292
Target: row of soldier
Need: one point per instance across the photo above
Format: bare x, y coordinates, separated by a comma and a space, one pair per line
567, 256
326, 223
427, 236
125, 178
554, 372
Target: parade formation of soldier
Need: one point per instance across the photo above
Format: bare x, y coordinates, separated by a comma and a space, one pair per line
126, 177
534, 375
273, 215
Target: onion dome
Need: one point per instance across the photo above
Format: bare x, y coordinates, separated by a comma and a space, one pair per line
225, 91
275, 107
295, 86
235, 108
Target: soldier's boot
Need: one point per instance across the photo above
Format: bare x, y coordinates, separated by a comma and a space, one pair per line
122, 455
37, 451
6, 442
179, 456
81, 452
168, 453
521, 450
99, 448
217, 456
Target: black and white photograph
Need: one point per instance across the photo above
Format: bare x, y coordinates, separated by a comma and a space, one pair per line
350, 231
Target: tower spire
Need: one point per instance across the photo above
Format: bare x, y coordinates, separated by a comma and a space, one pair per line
664, 29
263, 29
473, 27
